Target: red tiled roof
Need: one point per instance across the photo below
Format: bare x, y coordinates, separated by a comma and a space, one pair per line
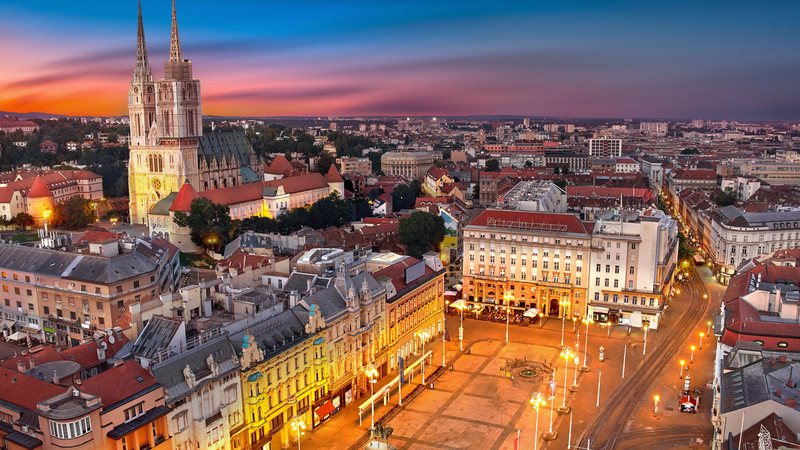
97, 235
183, 201
695, 174
43, 355
300, 183
422, 201
539, 219
333, 175
23, 390
397, 272
239, 260
118, 383
39, 189
86, 354
280, 165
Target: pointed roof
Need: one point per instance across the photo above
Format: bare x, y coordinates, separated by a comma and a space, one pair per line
333, 175
183, 201
39, 189
142, 71
280, 166
174, 42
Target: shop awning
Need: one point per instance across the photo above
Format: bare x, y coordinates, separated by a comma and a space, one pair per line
31, 329
7, 324
600, 309
324, 410
15, 336
533, 312
491, 300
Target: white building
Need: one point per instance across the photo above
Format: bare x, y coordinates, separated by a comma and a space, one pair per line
605, 147
626, 165
631, 277
654, 128
203, 389
743, 186
536, 195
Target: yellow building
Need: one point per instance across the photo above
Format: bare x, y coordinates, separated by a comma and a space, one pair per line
284, 377
414, 303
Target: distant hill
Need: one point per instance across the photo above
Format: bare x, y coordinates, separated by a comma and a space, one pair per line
32, 115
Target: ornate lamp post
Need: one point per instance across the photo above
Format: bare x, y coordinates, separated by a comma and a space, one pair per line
298, 425
372, 373
508, 297
691, 360
537, 400
682, 364
701, 340
461, 305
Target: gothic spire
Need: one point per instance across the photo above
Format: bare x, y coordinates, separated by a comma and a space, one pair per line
175, 42
142, 63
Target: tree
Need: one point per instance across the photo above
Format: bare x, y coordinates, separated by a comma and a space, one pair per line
476, 191
690, 151
23, 220
403, 197
493, 165
209, 223
556, 171
725, 198
528, 163
684, 250
362, 208
421, 232
562, 183
324, 163
75, 213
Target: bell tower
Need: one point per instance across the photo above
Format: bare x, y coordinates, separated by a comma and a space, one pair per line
142, 94
178, 105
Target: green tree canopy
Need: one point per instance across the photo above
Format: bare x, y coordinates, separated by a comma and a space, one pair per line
421, 232
325, 161
725, 198
209, 223
493, 165
74, 213
23, 220
403, 197
690, 151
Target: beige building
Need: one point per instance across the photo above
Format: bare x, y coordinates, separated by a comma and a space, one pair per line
362, 166
541, 259
412, 165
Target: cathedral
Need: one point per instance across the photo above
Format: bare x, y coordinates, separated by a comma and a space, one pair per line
167, 145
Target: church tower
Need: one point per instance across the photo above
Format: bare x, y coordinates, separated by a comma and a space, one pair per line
142, 94
178, 105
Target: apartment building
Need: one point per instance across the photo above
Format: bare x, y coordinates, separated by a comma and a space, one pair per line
361, 166
633, 268
542, 259
284, 377
605, 147
63, 298
414, 303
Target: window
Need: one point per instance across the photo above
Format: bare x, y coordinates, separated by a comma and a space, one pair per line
597, 281
599, 268
616, 283
180, 421
608, 268
70, 430
631, 270
616, 298
134, 412
136, 284
616, 269
783, 344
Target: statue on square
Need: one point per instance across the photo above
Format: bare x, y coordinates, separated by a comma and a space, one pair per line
379, 438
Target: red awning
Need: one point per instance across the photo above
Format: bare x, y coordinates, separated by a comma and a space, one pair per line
324, 410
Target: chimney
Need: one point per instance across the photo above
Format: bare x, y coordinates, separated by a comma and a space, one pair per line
21, 366
309, 284
31, 363
778, 393
55, 377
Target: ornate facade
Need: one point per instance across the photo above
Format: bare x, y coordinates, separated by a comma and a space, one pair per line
167, 142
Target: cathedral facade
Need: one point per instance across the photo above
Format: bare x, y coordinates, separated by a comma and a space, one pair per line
167, 145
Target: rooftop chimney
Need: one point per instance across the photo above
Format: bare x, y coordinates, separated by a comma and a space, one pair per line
21, 366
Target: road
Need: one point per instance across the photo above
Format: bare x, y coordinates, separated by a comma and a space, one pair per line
606, 428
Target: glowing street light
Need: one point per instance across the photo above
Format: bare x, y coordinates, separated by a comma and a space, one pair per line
563, 304
655, 404
701, 339
541, 320
298, 425
587, 320
537, 400
682, 364
424, 336
461, 305
692, 358
47, 213
566, 354
508, 297
372, 373
709, 327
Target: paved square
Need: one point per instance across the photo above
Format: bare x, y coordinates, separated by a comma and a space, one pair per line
475, 405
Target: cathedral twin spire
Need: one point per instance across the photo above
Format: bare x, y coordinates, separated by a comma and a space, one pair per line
143, 71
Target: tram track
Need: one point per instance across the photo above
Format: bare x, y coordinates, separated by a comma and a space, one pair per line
607, 424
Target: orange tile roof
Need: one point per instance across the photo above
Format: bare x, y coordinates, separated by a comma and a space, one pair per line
119, 383
537, 220
23, 390
183, 201
333, 175
39, 189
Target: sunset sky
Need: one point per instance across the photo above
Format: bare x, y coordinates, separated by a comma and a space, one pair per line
707, 60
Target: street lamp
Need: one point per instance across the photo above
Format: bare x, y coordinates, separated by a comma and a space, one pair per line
709, 327
424, 336
508, 297
644, 347
46, 216
587, 320
566, 354
372, 373
682, 364
537, 400
574, 323
298, 425
444, 333
608, 325
541, 320
655, 404
691, 360
563, 304
701, 340
461, 305
114, 222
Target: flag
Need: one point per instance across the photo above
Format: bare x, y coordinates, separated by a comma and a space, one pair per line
446, 335
516, 443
